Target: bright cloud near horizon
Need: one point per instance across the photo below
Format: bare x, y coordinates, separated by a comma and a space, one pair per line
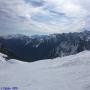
43, 16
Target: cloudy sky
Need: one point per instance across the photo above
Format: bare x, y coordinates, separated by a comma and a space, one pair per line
43, 16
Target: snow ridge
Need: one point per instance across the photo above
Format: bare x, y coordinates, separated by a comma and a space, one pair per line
66, 73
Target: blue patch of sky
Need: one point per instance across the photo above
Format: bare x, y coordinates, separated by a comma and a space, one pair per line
36, 3
52, 16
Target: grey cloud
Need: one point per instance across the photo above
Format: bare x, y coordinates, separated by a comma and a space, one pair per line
39, 16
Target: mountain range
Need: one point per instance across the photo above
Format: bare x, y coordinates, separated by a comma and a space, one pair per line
39, 47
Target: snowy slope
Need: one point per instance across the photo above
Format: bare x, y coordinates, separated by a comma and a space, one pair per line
67, 73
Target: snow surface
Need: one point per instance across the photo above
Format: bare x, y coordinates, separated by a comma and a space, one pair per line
67, 73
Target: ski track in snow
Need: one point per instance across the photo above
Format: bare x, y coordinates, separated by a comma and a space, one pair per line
67, 73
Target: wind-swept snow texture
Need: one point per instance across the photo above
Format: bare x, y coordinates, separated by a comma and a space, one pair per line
67, 73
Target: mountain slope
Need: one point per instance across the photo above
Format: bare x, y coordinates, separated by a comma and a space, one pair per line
34, 48
67, 73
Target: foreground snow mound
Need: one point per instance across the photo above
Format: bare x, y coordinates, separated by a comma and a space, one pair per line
67, 73
3, 57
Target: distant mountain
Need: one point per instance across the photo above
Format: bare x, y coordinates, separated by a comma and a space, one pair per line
41, 47
10, 54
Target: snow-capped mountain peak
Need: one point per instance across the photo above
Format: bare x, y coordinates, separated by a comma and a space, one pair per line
38, 47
